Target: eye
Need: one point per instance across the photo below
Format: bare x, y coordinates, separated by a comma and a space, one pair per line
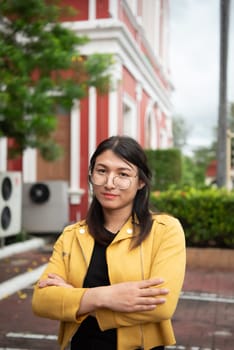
123, 175
100, 171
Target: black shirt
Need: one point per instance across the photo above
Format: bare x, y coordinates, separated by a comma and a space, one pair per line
89, 336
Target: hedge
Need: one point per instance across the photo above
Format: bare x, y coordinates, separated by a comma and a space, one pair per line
207, 216
166, 167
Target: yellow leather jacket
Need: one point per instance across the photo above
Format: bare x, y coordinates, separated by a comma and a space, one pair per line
161, 254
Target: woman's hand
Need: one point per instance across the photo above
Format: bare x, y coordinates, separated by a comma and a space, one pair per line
124, 297
54, 280
134, 296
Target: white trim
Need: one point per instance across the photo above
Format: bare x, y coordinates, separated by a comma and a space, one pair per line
151, 134
113, 103
75, 192
92, 120
92, 10
113, 106
138, 110
130, 119
113, 8
30, 165
111, 36
3, 153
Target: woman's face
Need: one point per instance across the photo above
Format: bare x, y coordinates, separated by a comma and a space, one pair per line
115, 181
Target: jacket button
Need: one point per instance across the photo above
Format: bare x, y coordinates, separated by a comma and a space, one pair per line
129, 231
82, 230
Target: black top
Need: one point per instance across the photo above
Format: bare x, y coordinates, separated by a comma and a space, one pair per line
89, 336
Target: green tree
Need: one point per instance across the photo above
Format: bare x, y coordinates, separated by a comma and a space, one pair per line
202, 158
180, 131
41, 67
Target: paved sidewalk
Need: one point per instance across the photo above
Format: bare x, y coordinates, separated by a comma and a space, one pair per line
204, 319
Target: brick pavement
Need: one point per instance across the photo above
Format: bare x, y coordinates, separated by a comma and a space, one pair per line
203, 321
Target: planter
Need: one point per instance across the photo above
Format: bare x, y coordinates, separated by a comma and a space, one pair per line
210, 258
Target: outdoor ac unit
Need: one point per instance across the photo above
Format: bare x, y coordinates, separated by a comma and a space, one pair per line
10, 203
45, 207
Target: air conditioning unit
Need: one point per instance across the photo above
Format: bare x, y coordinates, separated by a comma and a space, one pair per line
45, 207
10, 203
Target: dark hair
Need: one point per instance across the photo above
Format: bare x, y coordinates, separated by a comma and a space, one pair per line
129, 149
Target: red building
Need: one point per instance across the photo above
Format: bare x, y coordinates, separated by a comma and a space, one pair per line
136, 33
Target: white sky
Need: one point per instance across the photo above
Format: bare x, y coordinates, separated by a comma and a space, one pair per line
194, 61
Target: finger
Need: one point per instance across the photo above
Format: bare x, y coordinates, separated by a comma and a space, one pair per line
151, 282
48, 282
151, 301
54, 276
138, 308
154, 291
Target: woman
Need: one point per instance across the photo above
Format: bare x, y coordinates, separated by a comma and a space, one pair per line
114, 279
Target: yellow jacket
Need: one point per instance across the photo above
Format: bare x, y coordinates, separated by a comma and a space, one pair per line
161, 254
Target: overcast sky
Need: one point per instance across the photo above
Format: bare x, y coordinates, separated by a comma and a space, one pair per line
194, 60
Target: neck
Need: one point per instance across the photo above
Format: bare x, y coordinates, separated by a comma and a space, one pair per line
114, 221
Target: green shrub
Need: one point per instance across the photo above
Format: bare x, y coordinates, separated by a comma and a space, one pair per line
207, 215
166, 167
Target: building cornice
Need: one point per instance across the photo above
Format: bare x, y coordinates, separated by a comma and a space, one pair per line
112, 36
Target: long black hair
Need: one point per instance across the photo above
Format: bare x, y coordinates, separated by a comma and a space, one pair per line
130, 150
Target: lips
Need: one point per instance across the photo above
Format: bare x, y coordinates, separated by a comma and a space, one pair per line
108, 195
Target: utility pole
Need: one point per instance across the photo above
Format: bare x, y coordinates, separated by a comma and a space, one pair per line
222, 118
230, 159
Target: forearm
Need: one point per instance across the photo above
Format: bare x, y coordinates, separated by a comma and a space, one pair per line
91, 301
57, 302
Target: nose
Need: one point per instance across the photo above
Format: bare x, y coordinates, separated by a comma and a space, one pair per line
110, 181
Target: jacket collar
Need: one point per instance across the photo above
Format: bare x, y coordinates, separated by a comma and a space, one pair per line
86, 241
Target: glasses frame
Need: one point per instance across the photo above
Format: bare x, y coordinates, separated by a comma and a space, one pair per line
113, 179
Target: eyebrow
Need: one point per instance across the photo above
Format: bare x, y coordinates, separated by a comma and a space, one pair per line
120, 168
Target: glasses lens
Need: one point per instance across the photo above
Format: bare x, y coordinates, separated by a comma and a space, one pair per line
98, 179
121, 183
101, 179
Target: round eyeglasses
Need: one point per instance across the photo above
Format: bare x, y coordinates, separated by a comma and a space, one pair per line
121, 182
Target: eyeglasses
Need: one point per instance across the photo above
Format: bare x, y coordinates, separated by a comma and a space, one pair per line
120, 181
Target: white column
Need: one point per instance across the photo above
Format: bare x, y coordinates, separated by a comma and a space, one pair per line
92, 10
92, 120
138, 112
114, 100
113, 8
30, 165
113, 113
3, 153
75, 191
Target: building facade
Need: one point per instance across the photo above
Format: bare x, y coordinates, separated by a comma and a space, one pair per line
136, 33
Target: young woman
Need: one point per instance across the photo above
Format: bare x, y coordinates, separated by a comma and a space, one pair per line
114, 279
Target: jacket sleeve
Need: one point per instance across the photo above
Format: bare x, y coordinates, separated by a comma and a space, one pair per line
168, 262
59, 303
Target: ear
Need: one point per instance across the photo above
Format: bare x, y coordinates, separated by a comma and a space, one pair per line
141, 185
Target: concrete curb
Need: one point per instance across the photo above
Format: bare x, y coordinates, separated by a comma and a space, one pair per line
22, 281
21, 247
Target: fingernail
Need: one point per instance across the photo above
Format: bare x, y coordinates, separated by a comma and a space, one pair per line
160, 280
161, 300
